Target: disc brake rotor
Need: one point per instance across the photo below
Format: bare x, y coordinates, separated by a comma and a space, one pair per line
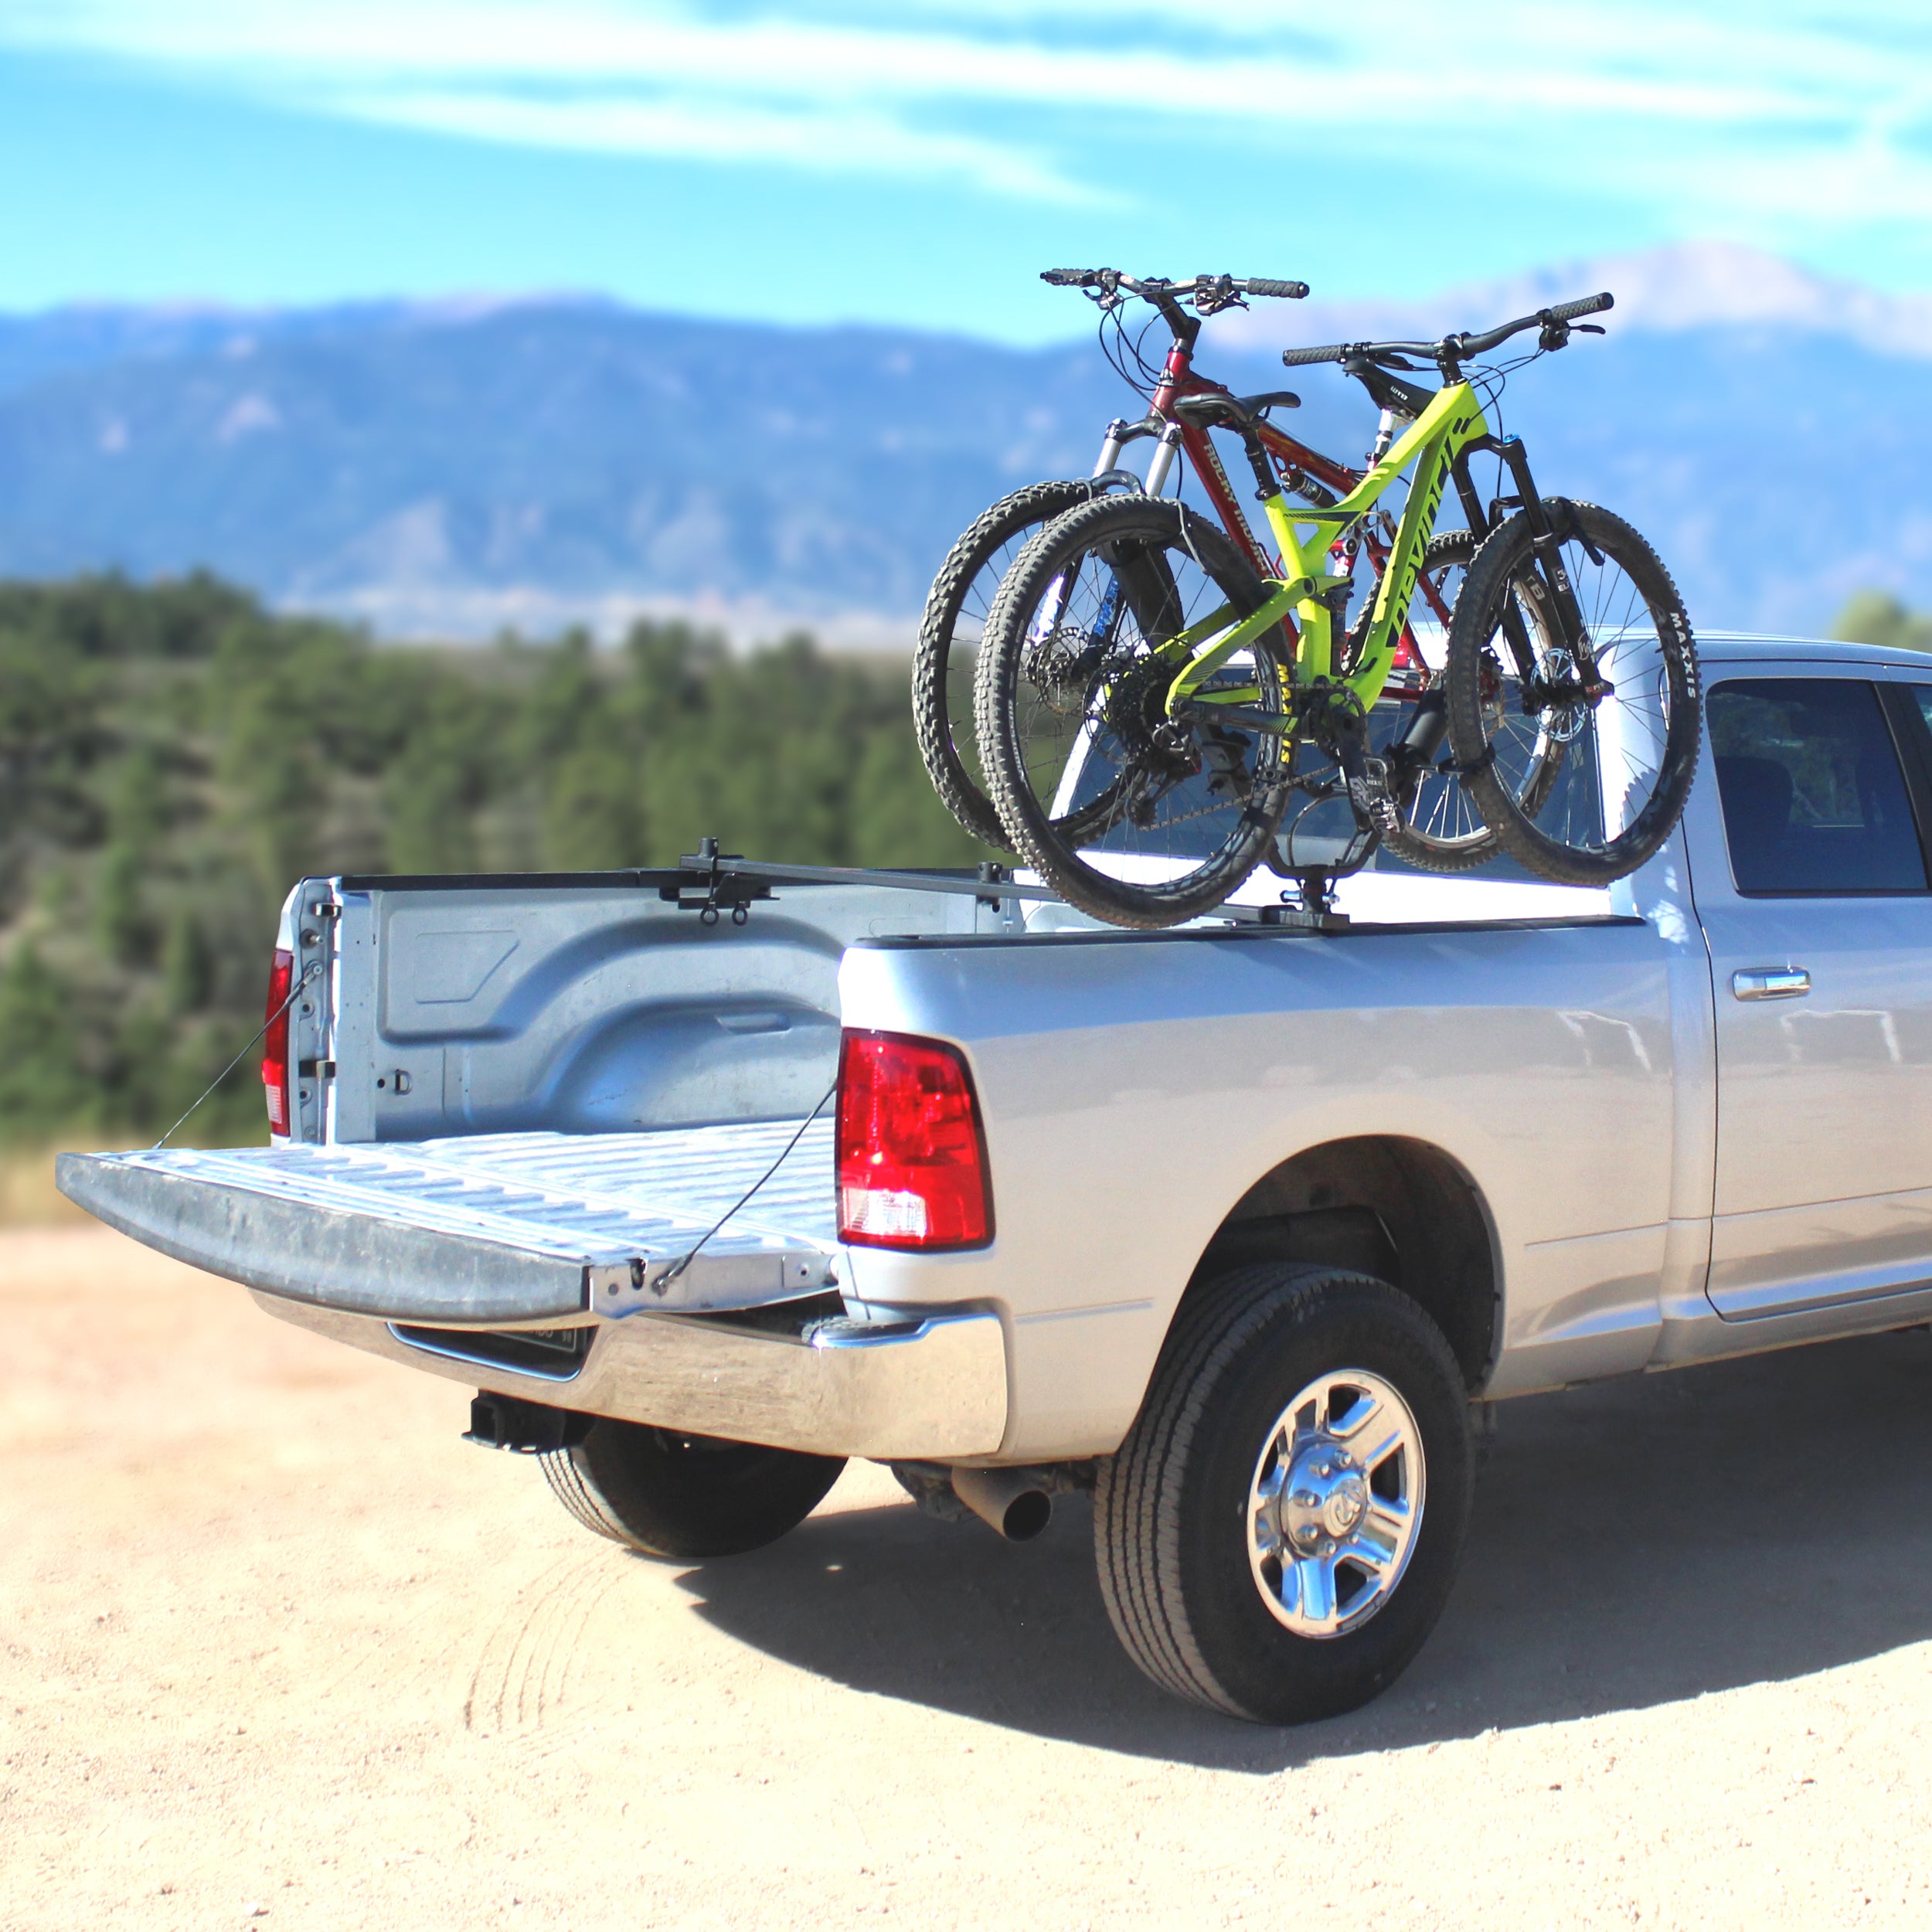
1060, 667
1564, 722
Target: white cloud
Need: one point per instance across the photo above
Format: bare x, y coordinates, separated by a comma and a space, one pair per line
697, 128
1540, 67
1760, 118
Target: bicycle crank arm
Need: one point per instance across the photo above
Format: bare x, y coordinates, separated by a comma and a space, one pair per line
1425, 732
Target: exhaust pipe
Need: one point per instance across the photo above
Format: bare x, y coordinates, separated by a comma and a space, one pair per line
1011, 1501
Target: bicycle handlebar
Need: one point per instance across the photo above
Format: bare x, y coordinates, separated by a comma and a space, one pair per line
1466, 346
1460, 349
1590, 305
1224, 288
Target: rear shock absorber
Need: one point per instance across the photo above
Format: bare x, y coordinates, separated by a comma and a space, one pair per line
1299, 483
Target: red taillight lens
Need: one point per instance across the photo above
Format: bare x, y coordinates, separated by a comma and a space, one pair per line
281, 976
912, 1156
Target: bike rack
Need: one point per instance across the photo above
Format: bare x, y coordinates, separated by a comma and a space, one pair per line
711, 882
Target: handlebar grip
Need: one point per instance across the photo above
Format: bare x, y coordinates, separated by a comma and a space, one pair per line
1289, 291
1590, 305
1333, 353
1069, 277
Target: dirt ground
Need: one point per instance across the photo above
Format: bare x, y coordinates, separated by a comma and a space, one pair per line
278, 1647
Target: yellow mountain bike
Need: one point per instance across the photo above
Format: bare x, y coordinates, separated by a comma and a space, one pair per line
1147, 704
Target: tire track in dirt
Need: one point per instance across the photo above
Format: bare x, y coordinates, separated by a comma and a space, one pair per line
518, 1685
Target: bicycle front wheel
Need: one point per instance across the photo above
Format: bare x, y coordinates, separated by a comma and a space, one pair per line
1134, 817
950, 634
1631, 744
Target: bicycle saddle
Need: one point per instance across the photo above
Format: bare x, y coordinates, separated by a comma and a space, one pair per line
1240, 410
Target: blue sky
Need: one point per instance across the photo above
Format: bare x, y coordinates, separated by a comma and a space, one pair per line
917, 160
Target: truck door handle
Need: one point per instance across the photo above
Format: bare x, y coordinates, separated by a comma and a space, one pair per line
1771, 982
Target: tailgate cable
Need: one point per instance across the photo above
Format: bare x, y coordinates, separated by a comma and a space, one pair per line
663, 1281
309, 972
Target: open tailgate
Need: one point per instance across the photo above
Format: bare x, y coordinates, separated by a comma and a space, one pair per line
490, 1228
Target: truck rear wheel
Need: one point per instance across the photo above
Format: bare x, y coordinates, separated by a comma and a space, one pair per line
1278, 1533
672, 1494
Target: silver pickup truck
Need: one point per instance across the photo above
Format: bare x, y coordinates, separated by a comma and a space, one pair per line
707, 1179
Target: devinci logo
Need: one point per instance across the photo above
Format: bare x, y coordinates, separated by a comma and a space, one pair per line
1398, 587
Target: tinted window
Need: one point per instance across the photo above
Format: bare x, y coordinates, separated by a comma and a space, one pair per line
1814, 800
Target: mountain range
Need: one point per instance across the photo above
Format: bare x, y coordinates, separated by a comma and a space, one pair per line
451, 468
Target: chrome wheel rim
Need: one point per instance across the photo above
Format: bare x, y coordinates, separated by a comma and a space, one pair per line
1336, 1504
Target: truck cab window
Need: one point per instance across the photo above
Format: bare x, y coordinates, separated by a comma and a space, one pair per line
1814, 800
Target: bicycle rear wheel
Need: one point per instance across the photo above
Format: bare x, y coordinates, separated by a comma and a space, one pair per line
949, 634
1134, 818
1632, 748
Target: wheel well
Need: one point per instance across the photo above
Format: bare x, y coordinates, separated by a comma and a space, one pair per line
1400, 1210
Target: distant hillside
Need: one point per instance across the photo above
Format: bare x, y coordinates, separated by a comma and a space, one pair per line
449, 468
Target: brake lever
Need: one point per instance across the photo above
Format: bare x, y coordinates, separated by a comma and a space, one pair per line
1214, 293
1106, 295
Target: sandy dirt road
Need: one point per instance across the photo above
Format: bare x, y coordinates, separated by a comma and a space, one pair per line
277, 1648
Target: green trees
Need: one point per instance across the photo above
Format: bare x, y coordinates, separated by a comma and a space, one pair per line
172, 758
1876, 617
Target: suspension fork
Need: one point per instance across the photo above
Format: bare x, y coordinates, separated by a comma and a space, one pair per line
1546, 540
1106, 471
1106, 467
1484, 518
1161, 462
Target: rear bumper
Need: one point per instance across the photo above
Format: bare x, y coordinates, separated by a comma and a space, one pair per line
932, 1388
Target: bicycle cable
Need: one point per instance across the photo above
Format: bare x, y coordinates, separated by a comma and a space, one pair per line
1489, 379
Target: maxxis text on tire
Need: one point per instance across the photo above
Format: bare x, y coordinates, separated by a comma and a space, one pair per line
1171, 1524
670, 1494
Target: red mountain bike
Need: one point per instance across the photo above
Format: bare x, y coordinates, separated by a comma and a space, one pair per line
1440, 829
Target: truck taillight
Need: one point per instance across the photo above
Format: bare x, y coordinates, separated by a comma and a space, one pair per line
911, 1154
281, 977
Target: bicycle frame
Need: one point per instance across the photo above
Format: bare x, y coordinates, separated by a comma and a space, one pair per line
1179, 382
1298, 603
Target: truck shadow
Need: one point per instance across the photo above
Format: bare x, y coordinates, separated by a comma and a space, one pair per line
1633, 1543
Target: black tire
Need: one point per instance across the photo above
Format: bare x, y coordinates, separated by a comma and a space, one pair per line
1171, 1524
957, 607
1436, 825
672, 1494
1226, 787
1642, 641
